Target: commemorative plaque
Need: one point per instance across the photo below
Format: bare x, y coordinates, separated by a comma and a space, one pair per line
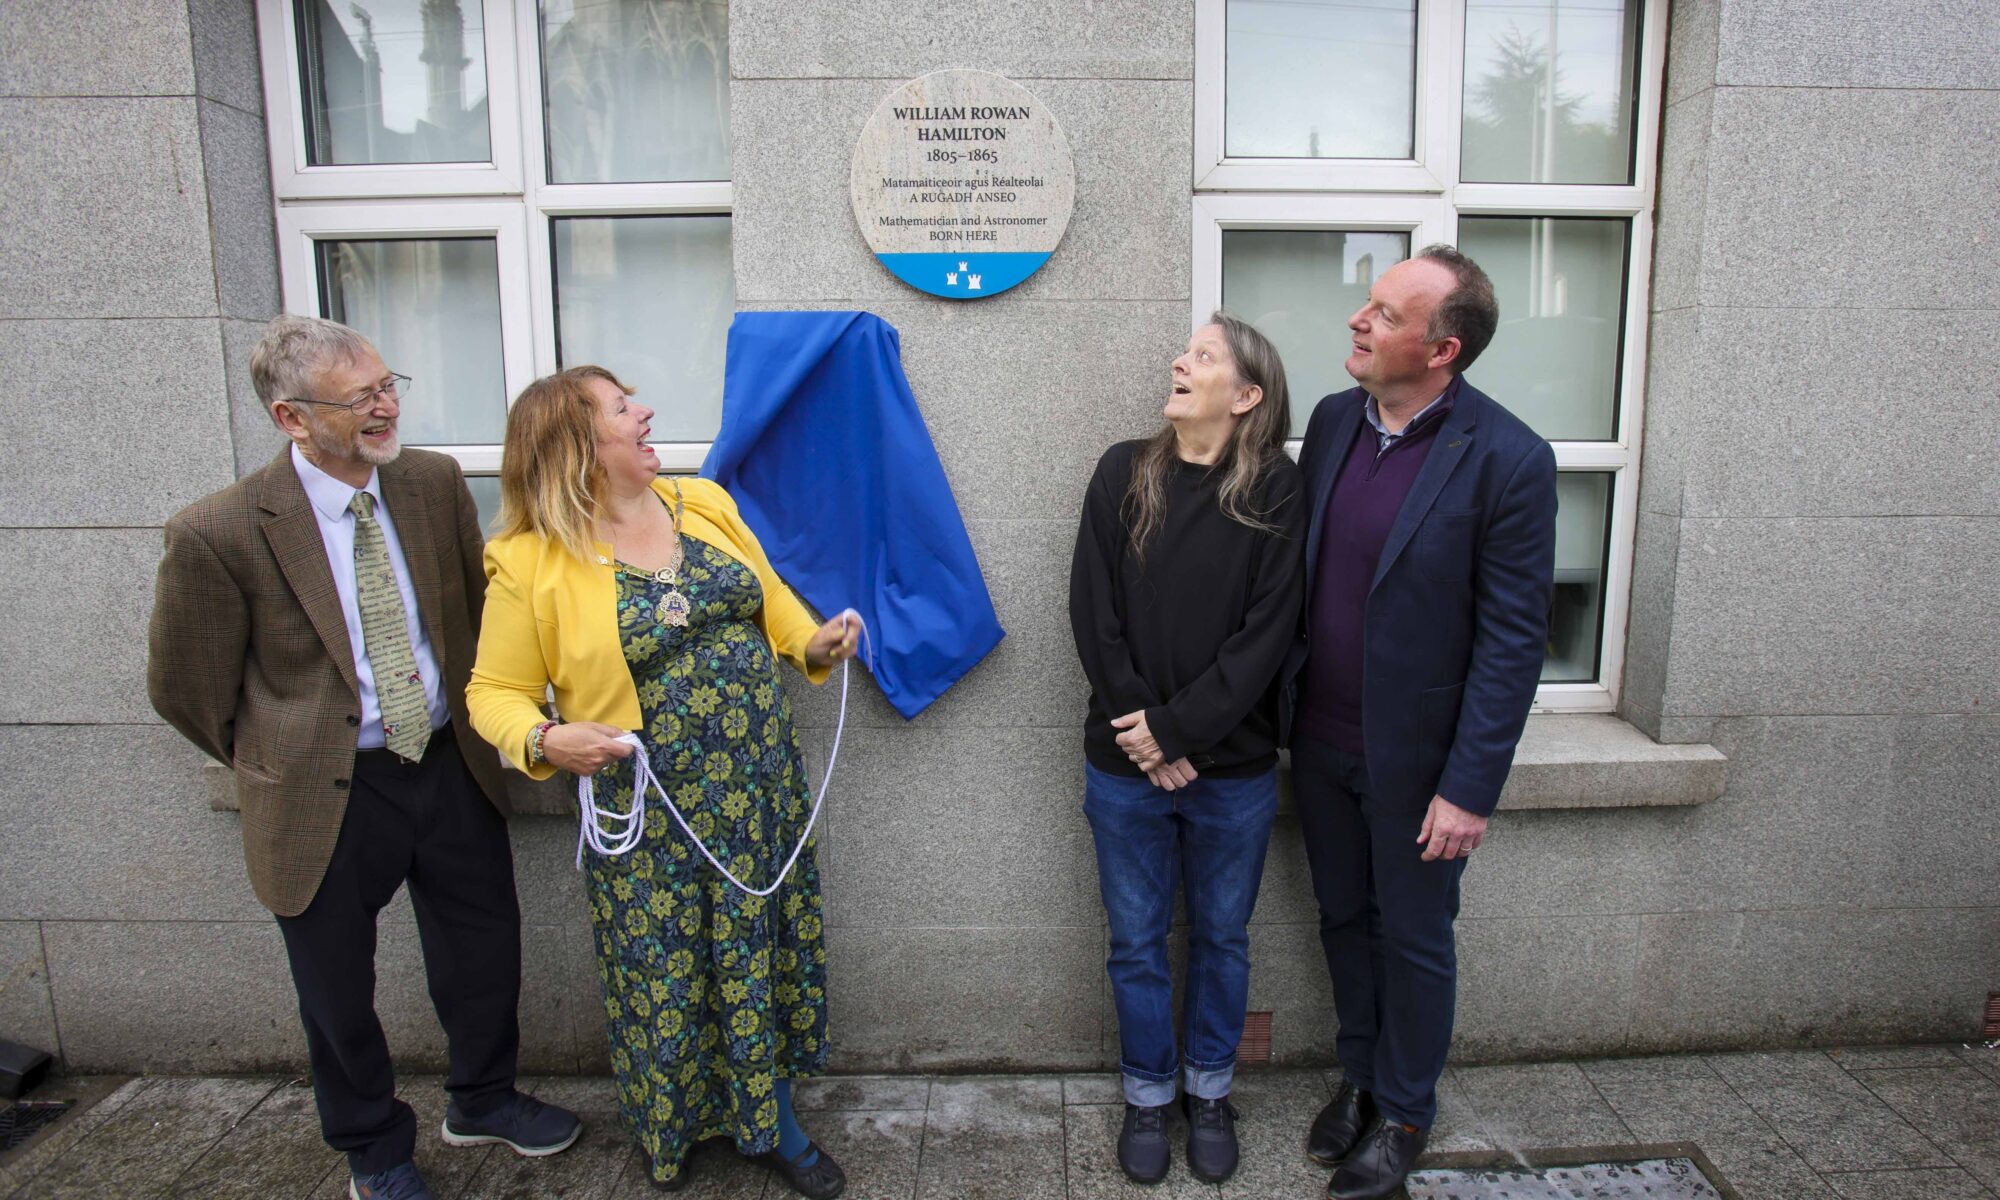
963, 183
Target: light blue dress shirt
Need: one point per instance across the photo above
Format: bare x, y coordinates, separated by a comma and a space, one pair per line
330, 498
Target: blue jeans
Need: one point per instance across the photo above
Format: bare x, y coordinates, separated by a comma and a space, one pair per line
1210, 836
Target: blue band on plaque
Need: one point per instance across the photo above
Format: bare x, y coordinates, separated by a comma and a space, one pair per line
963, 275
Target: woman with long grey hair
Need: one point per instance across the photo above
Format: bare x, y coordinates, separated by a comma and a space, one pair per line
1185, 593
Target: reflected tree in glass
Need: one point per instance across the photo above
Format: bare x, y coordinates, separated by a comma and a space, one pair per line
1549, 86
650, 298
637, 90
1320, 78
432, 308
1298, 287
393, 81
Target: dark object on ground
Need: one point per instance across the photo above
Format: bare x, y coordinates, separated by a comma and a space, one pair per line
22, 1069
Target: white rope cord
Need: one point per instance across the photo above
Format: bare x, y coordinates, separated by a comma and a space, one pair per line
627, 828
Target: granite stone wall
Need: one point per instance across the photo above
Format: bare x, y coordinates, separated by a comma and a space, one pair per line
1818, 554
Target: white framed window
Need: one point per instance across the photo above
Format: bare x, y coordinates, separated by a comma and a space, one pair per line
1523, 131
494, 189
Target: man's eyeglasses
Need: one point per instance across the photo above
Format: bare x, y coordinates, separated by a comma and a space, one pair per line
397, 388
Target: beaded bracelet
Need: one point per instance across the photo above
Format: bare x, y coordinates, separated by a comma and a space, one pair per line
535, 736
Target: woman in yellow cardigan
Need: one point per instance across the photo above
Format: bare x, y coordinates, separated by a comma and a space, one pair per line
645, 604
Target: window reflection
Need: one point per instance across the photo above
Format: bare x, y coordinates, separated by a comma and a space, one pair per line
638, 90
1548, 91
432, 307
393, 81
1320, 78
1299, 286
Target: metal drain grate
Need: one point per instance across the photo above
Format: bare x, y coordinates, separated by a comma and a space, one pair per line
1993, 1017
1651, 1178
1255, 1048
19, 1122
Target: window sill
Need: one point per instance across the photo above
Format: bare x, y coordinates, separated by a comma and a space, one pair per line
1567, 760
1595, 760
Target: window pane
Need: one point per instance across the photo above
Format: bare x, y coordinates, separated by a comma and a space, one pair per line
1320, 79
1298, 287
638, 90
485, 491
1548, 91
432, 308
393, 81
650, 298
1576, 616
1561, 285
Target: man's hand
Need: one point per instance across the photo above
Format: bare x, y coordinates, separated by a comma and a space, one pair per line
1173, 775
1137, 742
1449, 831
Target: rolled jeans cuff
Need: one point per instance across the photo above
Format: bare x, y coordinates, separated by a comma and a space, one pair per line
1145, 1088
1208, 1081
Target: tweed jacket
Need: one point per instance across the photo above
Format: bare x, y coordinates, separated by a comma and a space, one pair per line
250, 660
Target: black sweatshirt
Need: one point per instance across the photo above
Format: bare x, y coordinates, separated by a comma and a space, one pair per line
1195, 636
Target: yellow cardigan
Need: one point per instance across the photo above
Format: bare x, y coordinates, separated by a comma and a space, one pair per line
553, 621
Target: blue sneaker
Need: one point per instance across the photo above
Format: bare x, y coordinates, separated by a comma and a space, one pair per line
396, 1183
523, 1123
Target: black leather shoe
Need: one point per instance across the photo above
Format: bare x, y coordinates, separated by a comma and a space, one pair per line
822, 1180
1211, 1144
1375, 1168
1142, 1143
1338, 1127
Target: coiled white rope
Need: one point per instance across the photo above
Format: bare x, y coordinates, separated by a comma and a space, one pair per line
629, 827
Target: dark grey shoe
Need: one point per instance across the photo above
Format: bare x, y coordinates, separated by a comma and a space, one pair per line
1374, 1170
1338, 1127
523, 1124
396, 1183
1211, 1144
1143, 1153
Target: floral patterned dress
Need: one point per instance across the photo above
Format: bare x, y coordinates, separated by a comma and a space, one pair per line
711, 995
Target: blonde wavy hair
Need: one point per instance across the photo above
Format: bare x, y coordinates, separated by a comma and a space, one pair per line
549, 473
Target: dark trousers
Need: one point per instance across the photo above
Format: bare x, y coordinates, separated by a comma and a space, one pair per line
1385, 919
426, 823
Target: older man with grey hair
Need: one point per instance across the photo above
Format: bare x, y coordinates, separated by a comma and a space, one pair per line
313, 630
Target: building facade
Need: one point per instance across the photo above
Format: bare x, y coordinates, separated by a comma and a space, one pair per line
1745, 251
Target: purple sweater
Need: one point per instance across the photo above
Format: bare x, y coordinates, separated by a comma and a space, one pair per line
1366, 496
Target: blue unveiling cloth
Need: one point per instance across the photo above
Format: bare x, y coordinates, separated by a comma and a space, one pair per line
825, 453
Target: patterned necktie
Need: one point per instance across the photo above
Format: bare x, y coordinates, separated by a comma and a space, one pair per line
399, 689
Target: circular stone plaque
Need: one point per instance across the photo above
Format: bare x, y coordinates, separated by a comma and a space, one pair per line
963, 184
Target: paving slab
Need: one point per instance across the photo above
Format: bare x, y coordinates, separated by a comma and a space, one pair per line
1649, 1178
1957, 1108
1824, 1113
589, 1170
993, 1138
264, 1157
1874, 1058
150, 1141
862, 1093
1274, 1110
1762, 1171
1982, 1058
1677, 1099
878, 1149
1949, 1184
1540, 1105
1105, 1088
96, 1099
1090, 1155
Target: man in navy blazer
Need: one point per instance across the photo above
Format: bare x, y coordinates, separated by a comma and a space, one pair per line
1429, 562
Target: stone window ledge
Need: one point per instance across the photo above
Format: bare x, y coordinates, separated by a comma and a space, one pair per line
1565, 760
1596, 760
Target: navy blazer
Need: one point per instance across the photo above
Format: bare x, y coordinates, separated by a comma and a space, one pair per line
1458, 616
